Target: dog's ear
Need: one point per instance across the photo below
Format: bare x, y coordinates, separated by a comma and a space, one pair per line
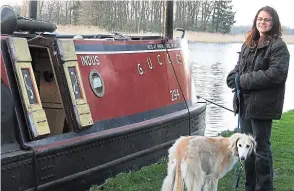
236, 146
253, 143
233, 143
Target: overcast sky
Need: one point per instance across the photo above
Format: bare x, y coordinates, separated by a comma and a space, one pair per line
246, 10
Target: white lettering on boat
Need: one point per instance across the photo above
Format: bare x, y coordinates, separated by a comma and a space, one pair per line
150, 63
90, 60
140, 69
151, 66
174, 95
168, 59
179, 59
162, 46
158, 59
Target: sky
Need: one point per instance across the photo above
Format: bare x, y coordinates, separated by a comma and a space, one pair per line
246, 10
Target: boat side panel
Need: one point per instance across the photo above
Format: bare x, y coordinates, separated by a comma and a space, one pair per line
17, 171
134, 81
111, 127
130, 96
125, 147
177, 78
179, 67
78, 166
126, 90
101, 158
102, 151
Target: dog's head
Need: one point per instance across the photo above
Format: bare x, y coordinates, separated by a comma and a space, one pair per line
242, 145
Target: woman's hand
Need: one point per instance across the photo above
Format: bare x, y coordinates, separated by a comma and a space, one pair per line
231, 81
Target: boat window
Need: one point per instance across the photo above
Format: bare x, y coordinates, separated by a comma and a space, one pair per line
97, 83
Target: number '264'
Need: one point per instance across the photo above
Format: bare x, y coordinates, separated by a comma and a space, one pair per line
175, 95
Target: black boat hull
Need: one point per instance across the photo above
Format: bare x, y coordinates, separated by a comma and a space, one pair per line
79, 165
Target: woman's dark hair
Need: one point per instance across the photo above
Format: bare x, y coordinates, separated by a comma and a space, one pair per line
276, 31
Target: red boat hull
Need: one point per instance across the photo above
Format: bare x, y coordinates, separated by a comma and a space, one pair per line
146, 105
127, 91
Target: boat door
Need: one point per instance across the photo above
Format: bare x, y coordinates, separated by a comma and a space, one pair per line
22, 65
73, 79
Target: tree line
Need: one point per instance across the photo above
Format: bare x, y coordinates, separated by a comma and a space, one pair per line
134, 16
138, 16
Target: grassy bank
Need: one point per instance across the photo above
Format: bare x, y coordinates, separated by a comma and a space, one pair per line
190, 35
150, 178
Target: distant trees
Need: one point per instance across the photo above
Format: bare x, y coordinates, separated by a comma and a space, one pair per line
205, 15
137, 16
59, 11
215, 16
128, 16
147, 15
222, 17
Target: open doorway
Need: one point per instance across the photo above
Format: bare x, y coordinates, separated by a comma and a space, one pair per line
49, 90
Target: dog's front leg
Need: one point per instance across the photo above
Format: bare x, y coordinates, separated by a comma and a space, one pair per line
210, 184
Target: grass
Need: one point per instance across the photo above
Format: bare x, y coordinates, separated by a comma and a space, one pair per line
150, 178
189, 35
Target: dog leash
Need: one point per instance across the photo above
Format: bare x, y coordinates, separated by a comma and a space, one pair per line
239, 100
240, 169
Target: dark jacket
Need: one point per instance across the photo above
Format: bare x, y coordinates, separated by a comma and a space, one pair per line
262, 74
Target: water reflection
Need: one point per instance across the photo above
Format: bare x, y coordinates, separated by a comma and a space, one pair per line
210, 65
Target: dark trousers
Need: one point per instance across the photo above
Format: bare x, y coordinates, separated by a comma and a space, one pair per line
259, 166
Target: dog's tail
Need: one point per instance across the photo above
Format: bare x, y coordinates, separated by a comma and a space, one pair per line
179, 180
169, 181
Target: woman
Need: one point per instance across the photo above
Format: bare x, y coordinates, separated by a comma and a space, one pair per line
261, 72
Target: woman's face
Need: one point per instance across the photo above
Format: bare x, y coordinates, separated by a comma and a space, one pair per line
264, 22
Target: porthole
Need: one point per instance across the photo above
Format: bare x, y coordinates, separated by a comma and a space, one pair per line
97, 83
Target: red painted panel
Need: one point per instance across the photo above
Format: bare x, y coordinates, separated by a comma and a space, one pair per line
3, 71
181, 69
126, 90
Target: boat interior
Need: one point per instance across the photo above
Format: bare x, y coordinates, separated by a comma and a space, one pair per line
49, 90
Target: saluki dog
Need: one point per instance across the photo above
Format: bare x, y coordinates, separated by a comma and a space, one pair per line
198, 162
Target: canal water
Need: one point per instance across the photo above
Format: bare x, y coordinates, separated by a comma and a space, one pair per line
211, 63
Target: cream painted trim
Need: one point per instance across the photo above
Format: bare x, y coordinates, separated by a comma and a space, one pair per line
37, 120
80, 105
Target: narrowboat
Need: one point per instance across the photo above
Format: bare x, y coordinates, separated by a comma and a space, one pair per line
78, 109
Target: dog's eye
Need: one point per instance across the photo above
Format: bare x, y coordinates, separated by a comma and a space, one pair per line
247, 146
240, 145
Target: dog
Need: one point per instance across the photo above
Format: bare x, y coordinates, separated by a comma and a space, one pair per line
198, 162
